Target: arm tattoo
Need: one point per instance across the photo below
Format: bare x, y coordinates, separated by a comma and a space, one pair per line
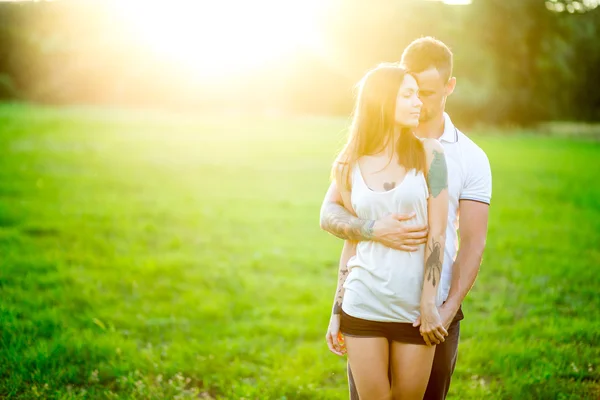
437, 177
341, 223
433, 265
339, 294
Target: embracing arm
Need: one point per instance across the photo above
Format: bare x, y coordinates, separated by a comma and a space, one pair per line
337, 220
473, 232
389, 231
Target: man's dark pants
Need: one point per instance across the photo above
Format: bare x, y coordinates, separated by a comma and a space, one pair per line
444, 362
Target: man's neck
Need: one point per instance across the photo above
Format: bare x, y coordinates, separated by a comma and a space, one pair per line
434, 128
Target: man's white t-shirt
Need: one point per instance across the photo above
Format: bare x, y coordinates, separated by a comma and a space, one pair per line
469, 178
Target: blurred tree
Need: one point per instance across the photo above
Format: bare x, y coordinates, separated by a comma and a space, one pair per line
572, 6
517, 61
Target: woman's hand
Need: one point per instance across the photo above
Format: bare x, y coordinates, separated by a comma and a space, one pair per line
432, 328
335, 339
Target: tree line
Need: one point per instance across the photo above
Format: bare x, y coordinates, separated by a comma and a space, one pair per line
516, 61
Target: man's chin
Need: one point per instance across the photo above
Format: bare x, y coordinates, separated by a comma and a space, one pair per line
426, 117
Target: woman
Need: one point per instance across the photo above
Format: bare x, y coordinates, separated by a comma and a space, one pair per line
384, 168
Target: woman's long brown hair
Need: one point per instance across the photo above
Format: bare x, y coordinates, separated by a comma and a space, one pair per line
374, 123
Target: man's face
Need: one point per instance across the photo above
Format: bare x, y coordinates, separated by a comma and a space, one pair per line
433, 90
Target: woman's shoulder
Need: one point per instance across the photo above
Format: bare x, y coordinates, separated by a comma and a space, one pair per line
430, 144
433, 149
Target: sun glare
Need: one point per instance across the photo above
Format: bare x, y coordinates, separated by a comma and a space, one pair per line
214, 38
457, 2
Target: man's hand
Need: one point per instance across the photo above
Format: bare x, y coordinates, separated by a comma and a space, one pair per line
447, 312
391, 232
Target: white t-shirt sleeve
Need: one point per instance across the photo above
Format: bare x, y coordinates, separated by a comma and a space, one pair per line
478, 182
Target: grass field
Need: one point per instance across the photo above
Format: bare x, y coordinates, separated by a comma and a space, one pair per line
155, 256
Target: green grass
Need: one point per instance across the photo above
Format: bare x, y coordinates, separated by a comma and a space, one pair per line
152, 256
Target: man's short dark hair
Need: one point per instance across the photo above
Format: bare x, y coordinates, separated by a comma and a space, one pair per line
427, 52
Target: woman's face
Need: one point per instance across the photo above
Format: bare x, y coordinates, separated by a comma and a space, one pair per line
408, 105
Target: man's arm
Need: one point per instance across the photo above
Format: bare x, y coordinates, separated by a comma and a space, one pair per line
340, 222
390, 231
473, 232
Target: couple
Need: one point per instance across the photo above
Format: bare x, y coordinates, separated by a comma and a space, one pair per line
399, 185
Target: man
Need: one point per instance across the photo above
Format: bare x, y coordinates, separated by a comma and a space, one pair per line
469, 189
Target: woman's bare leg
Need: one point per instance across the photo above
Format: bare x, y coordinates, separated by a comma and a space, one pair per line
411, 367
369, 361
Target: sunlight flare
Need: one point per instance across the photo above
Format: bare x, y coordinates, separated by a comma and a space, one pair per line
217, 38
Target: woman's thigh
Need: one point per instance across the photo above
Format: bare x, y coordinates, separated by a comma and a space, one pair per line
410, 366
369, 361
